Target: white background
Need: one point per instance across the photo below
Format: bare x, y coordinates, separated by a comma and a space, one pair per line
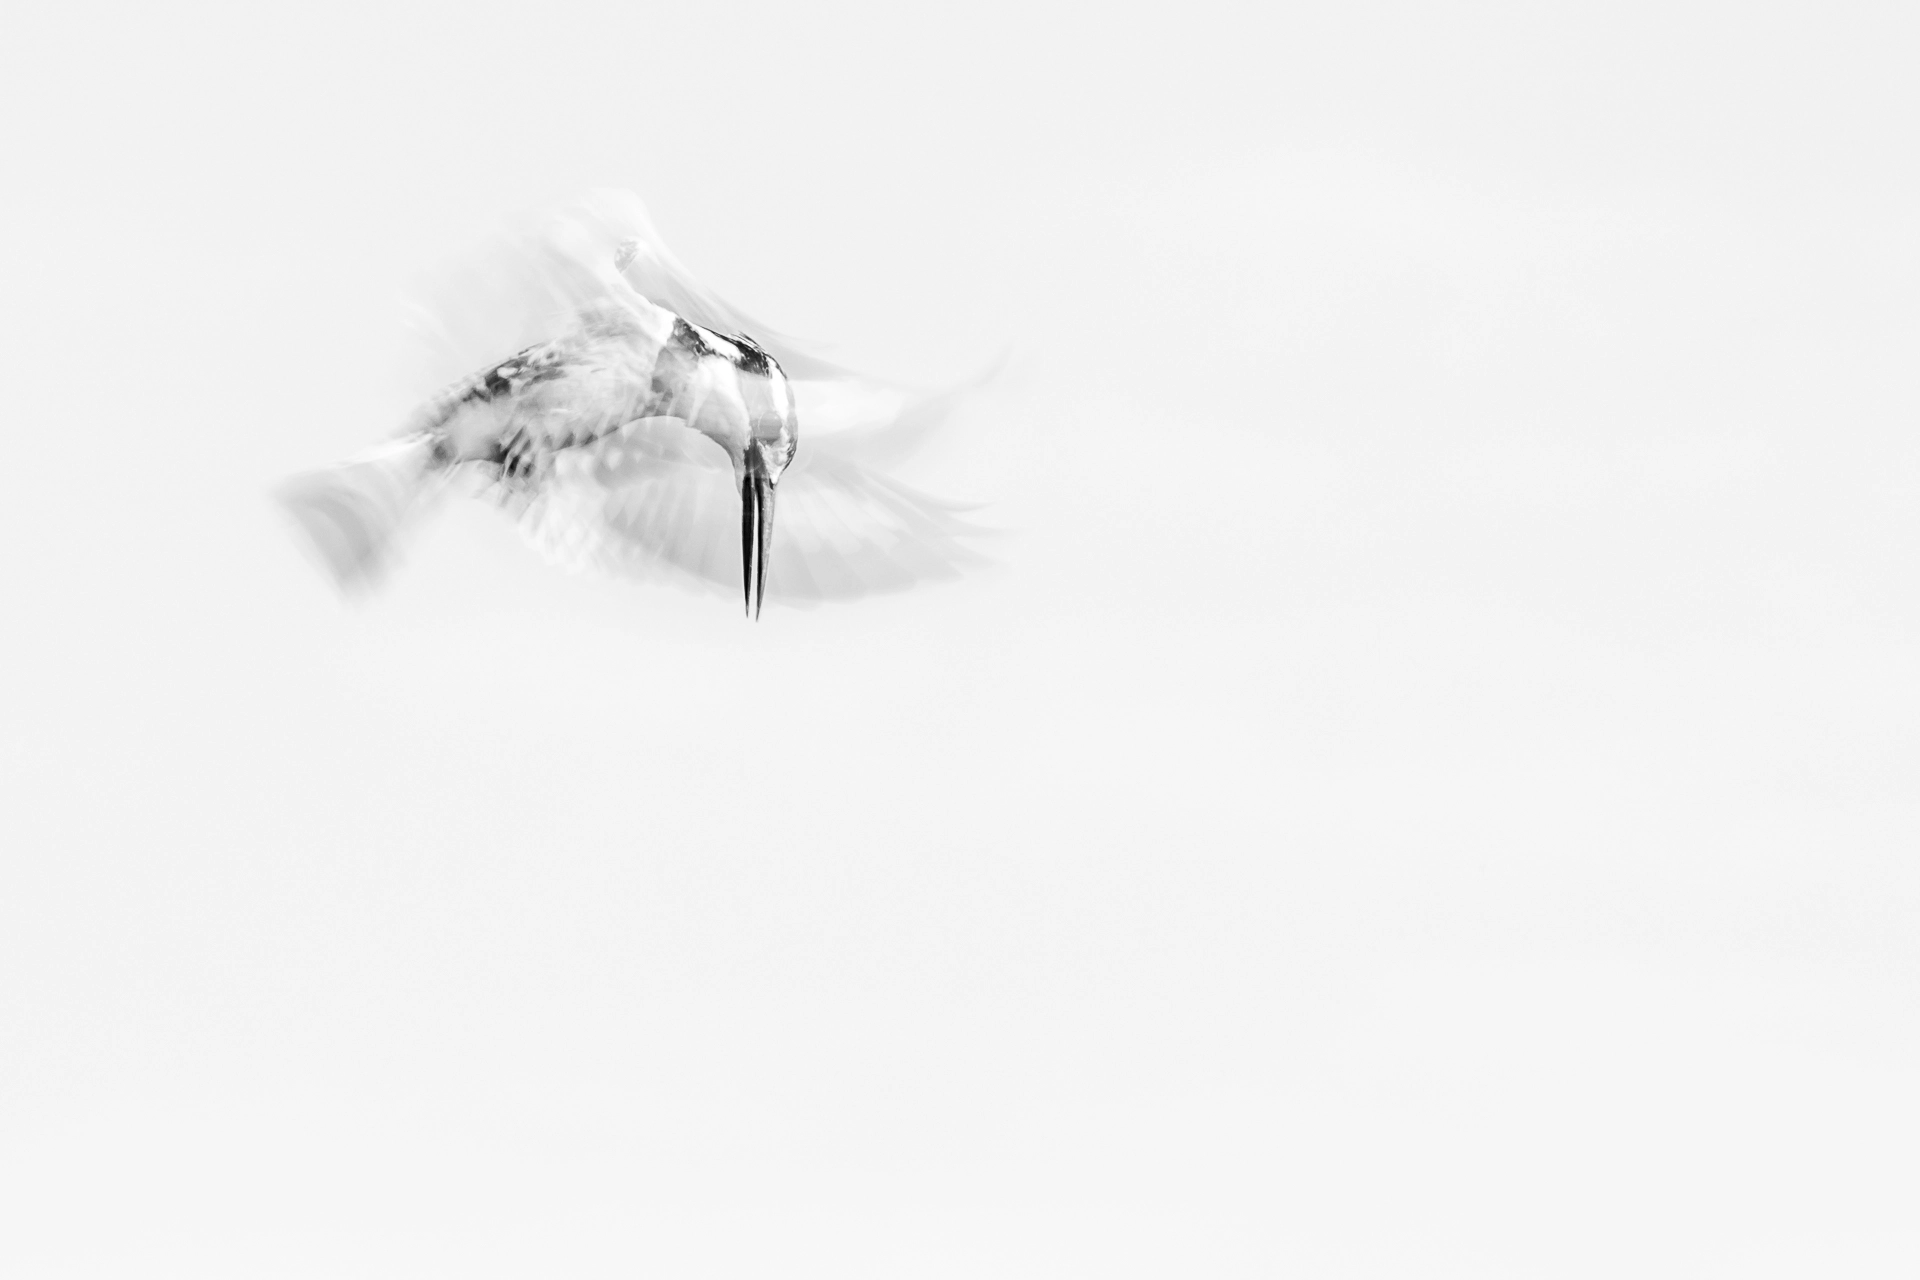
1428, 790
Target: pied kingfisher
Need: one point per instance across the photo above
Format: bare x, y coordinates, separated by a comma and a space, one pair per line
604, 436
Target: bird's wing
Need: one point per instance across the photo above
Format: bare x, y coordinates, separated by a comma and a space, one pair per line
613, 226
659, 502
879, 424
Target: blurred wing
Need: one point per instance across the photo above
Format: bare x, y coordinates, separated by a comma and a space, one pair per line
843, 530
522, 285
514, 289
878, 424
617, 223
661, 504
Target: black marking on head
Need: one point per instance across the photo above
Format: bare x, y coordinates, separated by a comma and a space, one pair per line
689, 339
740, 351
752, 358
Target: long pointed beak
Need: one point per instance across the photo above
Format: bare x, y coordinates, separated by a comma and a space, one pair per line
756, 530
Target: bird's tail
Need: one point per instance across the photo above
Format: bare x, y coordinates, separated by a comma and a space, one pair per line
352, 514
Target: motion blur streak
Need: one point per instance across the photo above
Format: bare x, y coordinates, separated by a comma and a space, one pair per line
602, 436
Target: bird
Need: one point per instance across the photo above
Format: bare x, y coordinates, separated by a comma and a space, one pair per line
613, 437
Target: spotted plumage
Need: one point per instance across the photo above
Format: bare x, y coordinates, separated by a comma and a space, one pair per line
612, 367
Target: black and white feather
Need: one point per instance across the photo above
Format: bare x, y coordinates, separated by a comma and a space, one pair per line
635, 422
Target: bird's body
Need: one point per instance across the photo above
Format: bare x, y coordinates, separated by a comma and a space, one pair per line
608, 434
616, 366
